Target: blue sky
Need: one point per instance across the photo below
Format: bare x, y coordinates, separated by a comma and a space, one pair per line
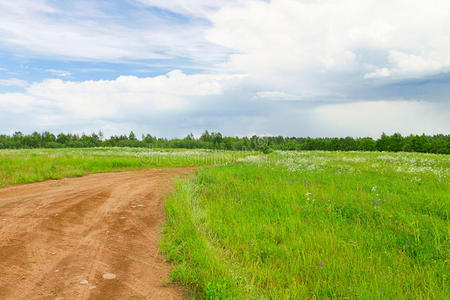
280, 67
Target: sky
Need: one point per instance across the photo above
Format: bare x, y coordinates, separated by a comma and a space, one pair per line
318, 68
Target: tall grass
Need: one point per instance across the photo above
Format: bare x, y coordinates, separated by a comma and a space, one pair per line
313, 225
25, 166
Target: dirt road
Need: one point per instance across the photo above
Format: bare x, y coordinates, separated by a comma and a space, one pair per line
93, 237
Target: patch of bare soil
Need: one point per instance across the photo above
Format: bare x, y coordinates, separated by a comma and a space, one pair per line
94, 237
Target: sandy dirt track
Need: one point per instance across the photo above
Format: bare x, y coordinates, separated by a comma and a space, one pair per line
59, 238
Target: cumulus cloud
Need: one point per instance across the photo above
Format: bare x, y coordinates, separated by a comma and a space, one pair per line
124, 95
334, 36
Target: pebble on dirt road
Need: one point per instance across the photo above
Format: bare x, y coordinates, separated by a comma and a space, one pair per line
109, 276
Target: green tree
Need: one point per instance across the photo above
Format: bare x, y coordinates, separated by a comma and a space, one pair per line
395, 142
383, 142
132, 136
205, 137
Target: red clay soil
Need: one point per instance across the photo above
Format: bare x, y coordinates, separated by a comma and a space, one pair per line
60, 239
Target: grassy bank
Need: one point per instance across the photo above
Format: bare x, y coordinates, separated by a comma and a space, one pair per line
25, 166
314, 224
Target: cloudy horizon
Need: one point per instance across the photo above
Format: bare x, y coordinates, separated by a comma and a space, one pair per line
280, 67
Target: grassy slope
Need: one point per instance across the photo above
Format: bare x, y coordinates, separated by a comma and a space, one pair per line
25, 166
294, 226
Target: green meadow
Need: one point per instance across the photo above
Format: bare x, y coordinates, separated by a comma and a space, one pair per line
32, 165
286, 225
313, 225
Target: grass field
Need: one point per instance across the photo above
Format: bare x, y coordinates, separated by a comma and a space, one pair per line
25, 166
313, 225
288, 225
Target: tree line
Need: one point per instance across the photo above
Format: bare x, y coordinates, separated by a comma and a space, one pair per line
394, 143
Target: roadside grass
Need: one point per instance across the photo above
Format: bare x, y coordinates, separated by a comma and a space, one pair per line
297, 225
25, 166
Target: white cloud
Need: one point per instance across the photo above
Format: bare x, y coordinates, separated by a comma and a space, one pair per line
15, 103
378, 73
415, 64
198, 8
13, 82
373, 118
290, 51
123, 97
176, 104
305, 37
277, 96
80, 32
60, 73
